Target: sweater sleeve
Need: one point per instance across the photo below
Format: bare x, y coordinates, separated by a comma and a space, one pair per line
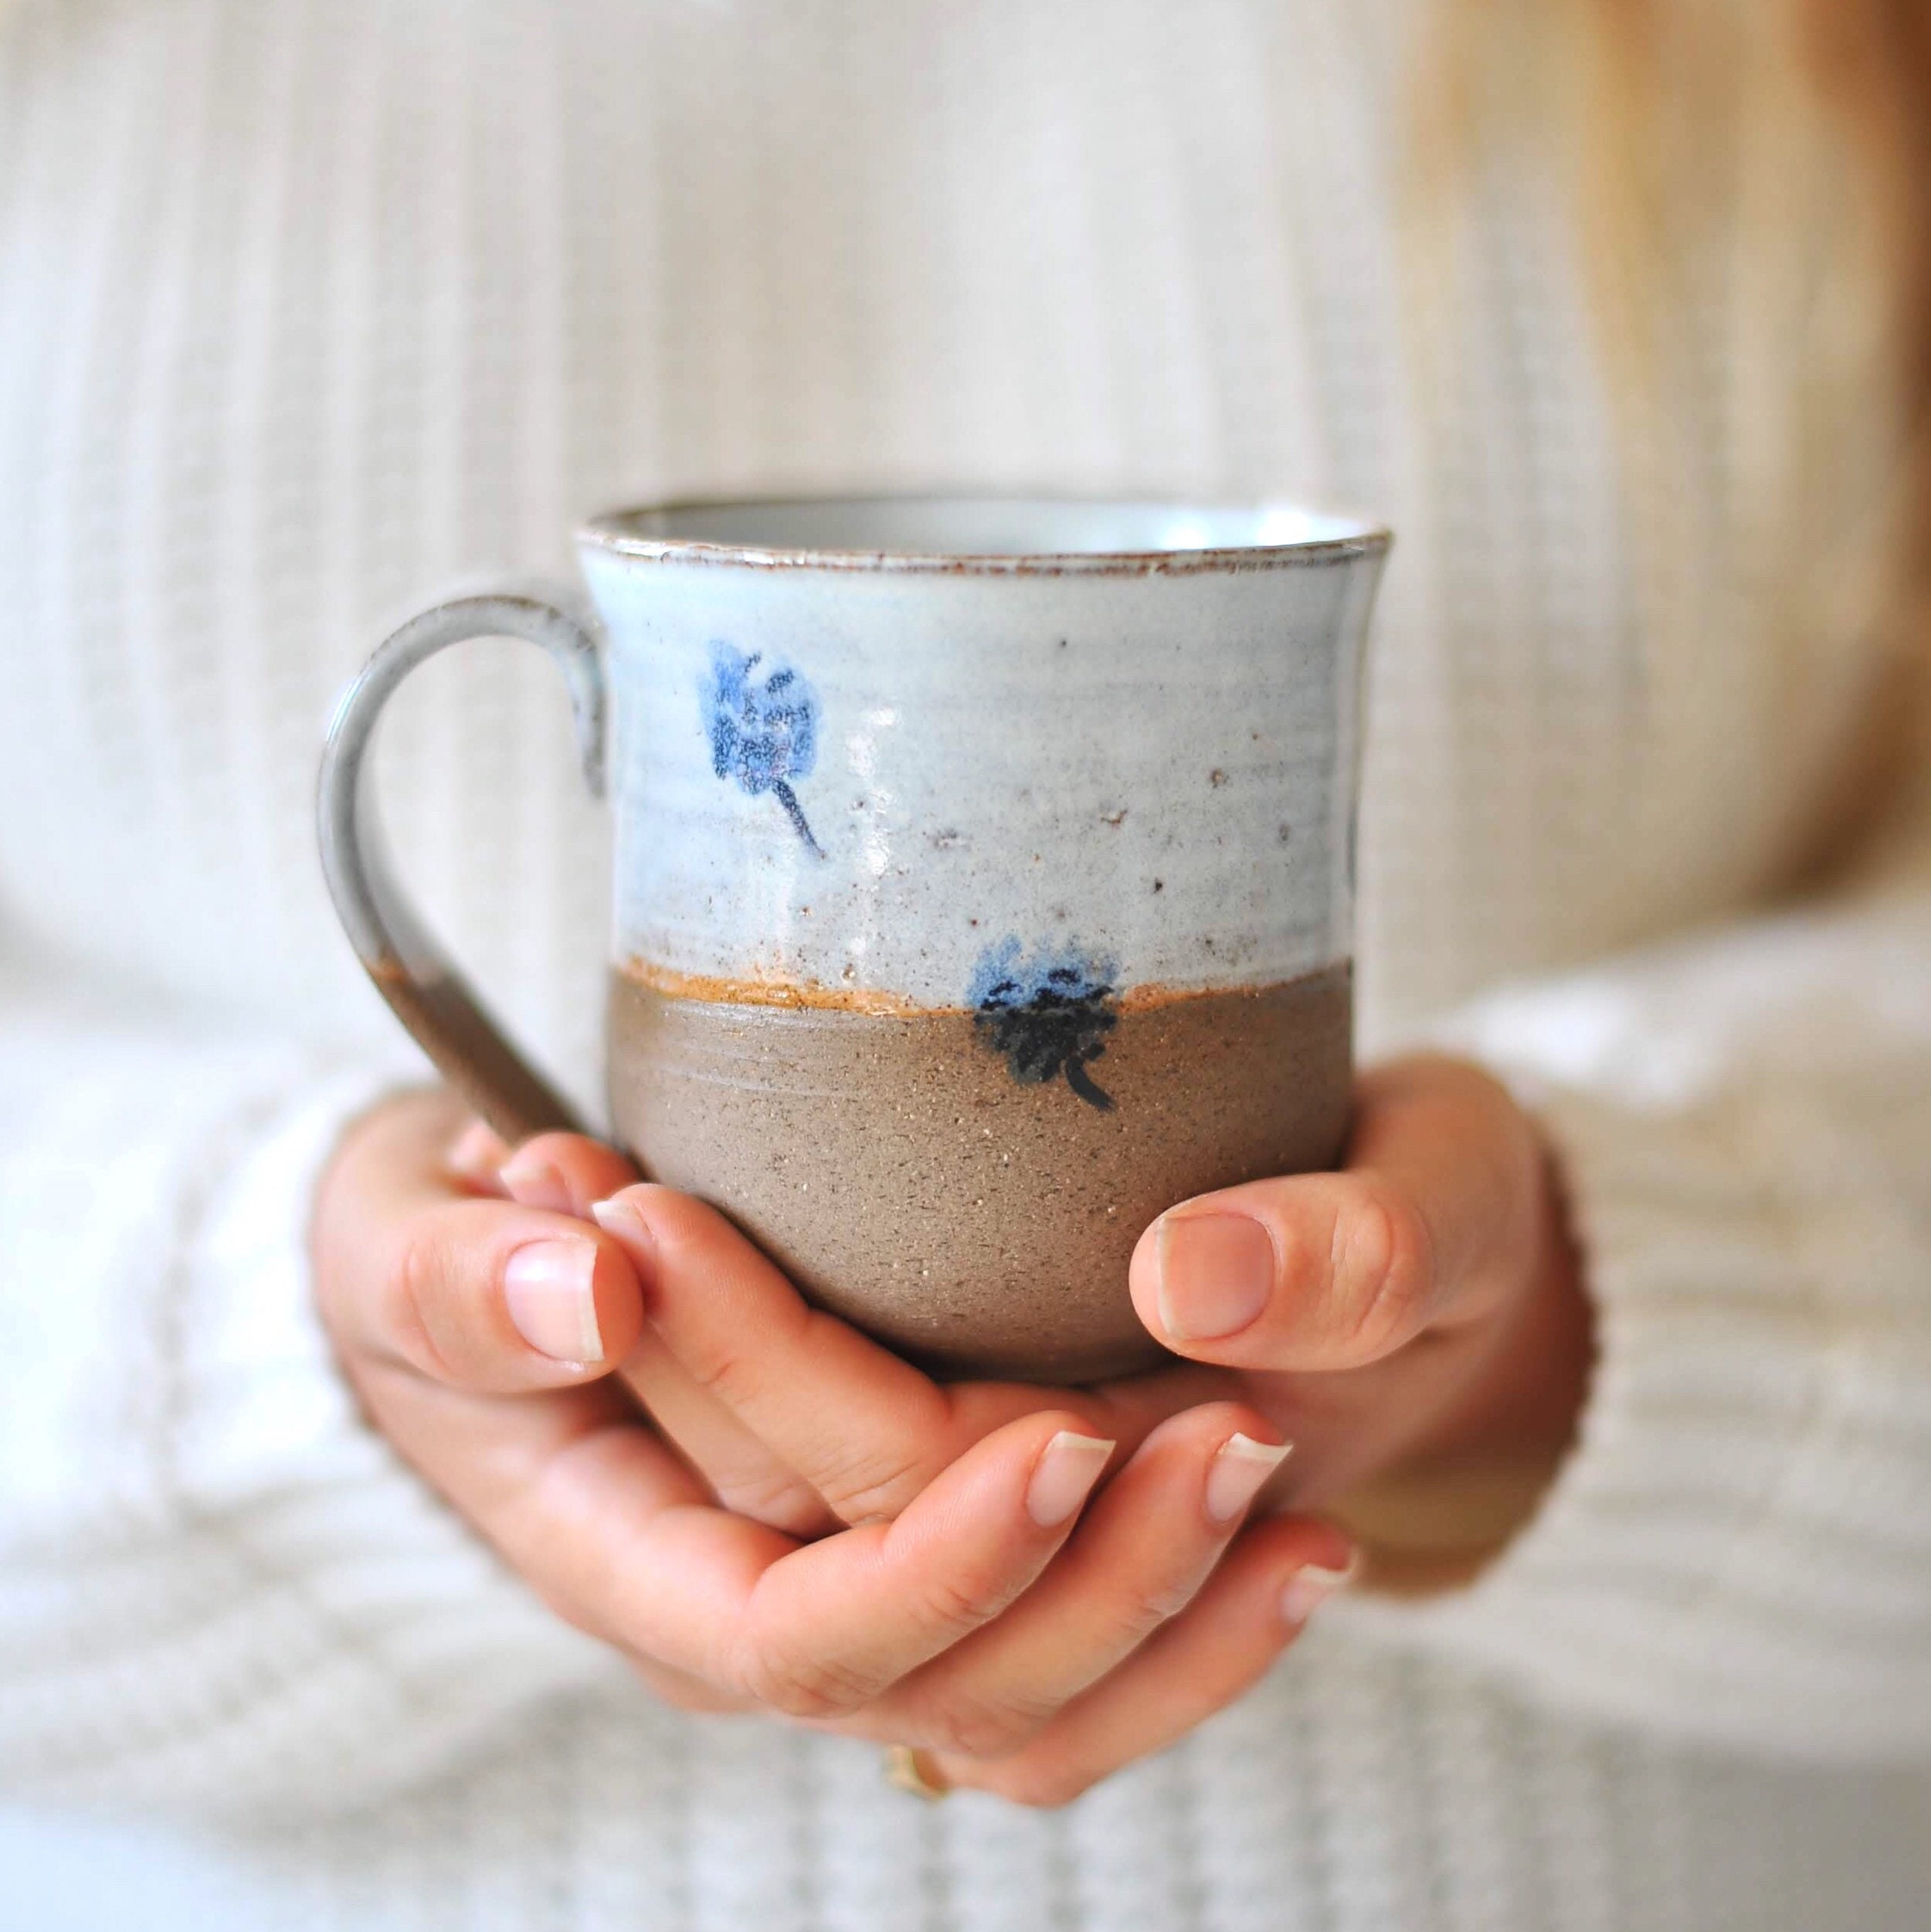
219, 1593
1738, 1549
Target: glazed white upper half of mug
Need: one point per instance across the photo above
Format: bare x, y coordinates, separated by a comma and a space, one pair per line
912, 748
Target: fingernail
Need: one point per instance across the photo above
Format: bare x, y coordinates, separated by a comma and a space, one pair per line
536, 1181
619, 1218
1217, 1271
476, 1155
1309, 1588
548, 1286
1064, 1477
1237, 1472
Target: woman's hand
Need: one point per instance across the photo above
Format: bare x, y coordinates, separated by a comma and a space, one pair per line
983, 1611
1417, 1310
1421, 1307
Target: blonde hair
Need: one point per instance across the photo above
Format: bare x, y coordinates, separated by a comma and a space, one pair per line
1768, 162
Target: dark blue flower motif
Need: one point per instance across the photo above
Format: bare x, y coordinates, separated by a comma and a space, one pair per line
763, 729
1048, 1015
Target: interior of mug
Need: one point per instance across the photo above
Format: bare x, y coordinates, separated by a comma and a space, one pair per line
995, 527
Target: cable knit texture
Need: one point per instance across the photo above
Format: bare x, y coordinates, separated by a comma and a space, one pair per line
309, 308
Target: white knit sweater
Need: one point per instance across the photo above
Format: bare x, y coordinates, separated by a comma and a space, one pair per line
308, 308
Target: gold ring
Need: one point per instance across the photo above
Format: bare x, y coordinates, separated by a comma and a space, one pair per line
907, 1769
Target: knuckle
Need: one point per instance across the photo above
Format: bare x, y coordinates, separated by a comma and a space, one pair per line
803, 1687
948, 1604
1150, 1604
776, 1497
1384, 1270
943, 1608
1140, 1607
986, 1727
722, 1372
868, 1485
741, 1370
410, 1299
1298, 1272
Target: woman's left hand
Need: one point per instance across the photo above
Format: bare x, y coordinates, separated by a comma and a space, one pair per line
1419, 1306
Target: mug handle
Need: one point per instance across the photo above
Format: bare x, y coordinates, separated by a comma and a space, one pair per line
411, 972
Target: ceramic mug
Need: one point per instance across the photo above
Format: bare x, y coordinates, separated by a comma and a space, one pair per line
984, 883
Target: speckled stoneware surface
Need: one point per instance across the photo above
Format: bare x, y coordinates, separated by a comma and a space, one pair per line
984, 884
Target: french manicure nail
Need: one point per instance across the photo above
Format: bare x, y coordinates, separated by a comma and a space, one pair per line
536, 1181
1237, 1472
1064, 1476
1216, 1273
476, 1154
552, 1301
1309, 1588
619, 1218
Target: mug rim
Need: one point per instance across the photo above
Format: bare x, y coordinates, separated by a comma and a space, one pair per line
614, 531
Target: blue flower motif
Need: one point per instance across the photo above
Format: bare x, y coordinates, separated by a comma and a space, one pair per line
763, 729
1048, 1015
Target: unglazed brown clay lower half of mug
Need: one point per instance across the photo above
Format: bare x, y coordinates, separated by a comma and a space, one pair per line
945, 1183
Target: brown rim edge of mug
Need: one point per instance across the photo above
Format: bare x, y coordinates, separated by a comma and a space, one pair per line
607, 532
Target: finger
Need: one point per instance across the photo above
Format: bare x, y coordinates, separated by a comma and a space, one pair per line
477, 1156
1350, 1425
564, 1173
814, 1631
1434, 1219
1206, 1658
569, 1173
867, 1431
479, 1294
517, 1468
616, 1534
864, 1429
741, 1469
521, 1468
836, 1623
1146, 1546
746, 1474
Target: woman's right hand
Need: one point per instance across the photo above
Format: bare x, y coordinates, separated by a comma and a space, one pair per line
482, 1334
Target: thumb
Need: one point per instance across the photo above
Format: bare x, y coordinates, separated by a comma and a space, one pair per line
485, 1295
1433, 1223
